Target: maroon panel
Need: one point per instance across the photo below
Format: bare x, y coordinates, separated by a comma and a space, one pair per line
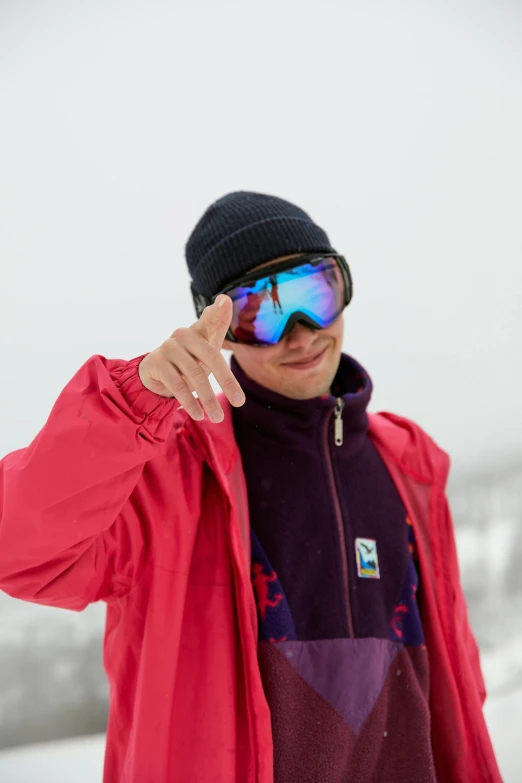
312, 741
348, 673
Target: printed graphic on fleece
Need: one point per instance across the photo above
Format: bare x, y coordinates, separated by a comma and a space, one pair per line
367, 558
275, 619
406, 625
369, 696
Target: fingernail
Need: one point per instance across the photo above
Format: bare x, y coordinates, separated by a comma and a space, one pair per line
238, 398
222, 301
217, 417
198, 414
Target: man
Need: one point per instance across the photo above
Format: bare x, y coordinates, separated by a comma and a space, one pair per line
283, 599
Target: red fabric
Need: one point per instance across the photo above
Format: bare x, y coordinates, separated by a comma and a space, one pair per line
461, 744
122, 498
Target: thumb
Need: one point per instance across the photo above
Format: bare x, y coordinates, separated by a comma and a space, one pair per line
215, 320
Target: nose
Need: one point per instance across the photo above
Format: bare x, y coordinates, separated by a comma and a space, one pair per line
300, 337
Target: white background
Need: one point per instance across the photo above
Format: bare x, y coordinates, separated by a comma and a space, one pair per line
397, 126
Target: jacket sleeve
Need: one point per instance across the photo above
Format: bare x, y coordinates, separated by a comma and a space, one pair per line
463, 627
68, 533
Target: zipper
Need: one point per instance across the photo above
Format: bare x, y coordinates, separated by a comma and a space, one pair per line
338, 431
338, 436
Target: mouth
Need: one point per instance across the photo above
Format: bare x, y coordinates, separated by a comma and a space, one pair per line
307, 364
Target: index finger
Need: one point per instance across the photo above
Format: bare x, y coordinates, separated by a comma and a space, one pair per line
215, 321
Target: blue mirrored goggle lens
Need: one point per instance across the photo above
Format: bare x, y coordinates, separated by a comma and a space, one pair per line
261, 310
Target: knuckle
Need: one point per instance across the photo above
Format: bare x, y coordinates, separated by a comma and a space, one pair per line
162, 353
178, 334
210, 352
229, 383
209, 401
197, 373
179, 386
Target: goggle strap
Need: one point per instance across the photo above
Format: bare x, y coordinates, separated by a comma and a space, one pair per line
281, 266
200, 301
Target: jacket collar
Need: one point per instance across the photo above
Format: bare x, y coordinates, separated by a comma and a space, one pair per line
296, 422
400, 439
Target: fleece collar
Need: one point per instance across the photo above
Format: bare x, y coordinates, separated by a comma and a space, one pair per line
297, 422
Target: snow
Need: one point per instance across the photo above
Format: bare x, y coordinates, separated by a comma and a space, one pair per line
447, 156
504, 718
79, 760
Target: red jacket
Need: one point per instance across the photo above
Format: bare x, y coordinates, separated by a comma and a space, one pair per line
122, 498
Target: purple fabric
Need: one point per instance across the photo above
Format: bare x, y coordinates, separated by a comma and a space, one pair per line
297, 577
313, 742
406, 625
348, 673
283, 446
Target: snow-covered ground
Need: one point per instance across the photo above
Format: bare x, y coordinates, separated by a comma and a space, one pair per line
81, 760
504, 717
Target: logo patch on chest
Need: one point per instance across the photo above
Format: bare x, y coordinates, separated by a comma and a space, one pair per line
367, 559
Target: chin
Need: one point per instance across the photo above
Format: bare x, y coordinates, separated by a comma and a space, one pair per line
307, 388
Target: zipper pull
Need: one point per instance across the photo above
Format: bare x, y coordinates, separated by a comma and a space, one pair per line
338, 431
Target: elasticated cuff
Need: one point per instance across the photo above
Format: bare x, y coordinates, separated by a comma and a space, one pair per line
142, 401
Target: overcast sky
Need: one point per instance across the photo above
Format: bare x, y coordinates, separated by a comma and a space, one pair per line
397, 126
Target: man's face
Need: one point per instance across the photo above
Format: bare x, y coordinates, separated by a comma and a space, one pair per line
286, 368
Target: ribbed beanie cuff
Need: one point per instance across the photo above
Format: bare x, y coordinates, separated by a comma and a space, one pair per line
241, 231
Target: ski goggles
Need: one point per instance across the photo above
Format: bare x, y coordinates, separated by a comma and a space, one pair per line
312, 289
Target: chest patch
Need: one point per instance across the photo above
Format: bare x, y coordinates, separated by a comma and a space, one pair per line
367, 559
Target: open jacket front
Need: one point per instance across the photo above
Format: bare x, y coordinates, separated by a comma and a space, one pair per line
122, 498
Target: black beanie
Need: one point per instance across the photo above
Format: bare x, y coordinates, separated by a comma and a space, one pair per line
242, 230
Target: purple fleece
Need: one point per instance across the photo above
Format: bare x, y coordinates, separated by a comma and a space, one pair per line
347, 681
